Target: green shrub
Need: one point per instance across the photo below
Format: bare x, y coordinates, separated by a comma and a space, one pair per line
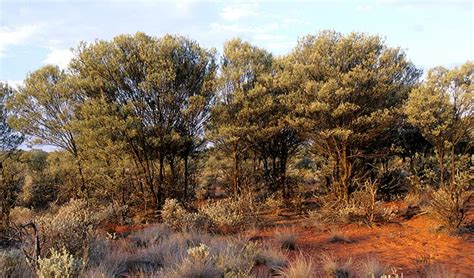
58, 265
177, 218
227, 214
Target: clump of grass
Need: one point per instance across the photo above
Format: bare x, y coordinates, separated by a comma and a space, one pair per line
334, 267
150, 235
286, 239
436, 270
338, 237
302, 267
371, 267
274, 259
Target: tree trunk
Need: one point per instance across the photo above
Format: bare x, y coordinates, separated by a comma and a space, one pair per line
236, 171
185, 191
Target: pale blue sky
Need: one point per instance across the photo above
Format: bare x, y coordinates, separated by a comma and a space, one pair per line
37, 32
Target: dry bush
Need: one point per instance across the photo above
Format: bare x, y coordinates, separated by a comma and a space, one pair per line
449, 203
13, 263
286, 239
435, 270
371, 267
173, 214
177, 218
60, 264
180, 255
72, 225
334, 267
227, 214
302, 267
274, 203
365, 199
21, 215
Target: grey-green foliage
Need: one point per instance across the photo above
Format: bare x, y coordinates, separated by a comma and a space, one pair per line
347, 92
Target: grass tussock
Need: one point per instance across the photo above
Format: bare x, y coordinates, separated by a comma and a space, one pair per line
286, 239
301, 267
334, 267
338, 237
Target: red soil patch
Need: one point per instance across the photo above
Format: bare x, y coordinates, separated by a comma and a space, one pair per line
121, 229
398, 245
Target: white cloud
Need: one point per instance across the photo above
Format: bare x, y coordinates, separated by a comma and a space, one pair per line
59, 57
237, 11
15, 36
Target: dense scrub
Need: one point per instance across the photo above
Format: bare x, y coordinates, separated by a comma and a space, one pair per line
150, 129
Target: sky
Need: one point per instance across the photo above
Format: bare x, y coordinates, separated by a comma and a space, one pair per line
37, 32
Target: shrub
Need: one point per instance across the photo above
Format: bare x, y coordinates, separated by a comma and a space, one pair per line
176, 217
199, 253
365, 199
21, 215
72, 225
449, 203
274, 203
13, 263
225, 214
59, 265
173, 214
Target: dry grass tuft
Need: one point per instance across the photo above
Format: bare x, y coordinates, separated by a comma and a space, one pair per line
286, 239
302, 267
333, 267
371, 267
338, 237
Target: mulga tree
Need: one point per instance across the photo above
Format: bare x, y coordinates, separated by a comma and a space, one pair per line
348, 91
160, 88
44, 110
248, 121
442, 109
9, 179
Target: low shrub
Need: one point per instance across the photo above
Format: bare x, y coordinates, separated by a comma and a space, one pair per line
60, 264
21, 215
13, 263
449, 203
225, 214
72, 225
176, 217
